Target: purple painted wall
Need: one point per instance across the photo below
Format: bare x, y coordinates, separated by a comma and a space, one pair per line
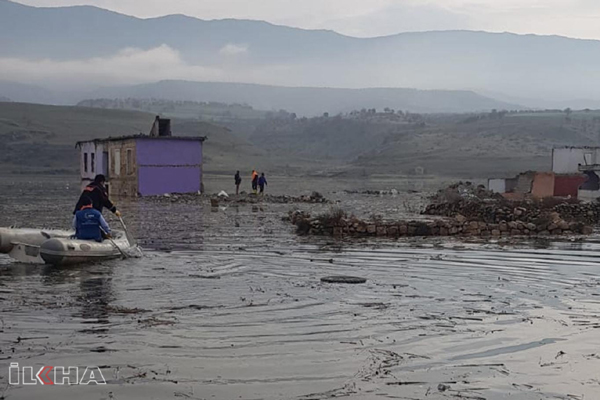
161, 180
168, 152
168, 166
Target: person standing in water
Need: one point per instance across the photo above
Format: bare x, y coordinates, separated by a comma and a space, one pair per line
262, 181
238, 182
254, 181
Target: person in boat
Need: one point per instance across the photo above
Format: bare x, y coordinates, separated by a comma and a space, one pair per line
238, 181
96, 191
262, 181
89, 224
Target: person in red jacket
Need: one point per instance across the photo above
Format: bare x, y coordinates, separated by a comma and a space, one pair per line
254, 181
96, 191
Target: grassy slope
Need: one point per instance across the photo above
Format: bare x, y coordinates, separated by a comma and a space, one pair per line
483, 148
470, 146
41, 139
35, 138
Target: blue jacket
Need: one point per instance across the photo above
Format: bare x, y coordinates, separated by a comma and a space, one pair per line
87, 223
262, 181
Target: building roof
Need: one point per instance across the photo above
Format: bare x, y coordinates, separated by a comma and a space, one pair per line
144, 137
576, 147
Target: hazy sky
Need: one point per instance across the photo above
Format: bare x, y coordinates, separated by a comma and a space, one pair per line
574, 18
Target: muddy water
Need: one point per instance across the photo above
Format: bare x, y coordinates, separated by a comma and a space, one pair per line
228, 304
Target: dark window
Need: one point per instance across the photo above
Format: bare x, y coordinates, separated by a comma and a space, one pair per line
85, 162
93, 162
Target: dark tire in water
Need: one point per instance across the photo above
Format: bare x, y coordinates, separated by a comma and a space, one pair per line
352, 280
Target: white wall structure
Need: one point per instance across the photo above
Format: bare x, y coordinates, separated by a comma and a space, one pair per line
588, 195
497, 185
91, 161
567, 160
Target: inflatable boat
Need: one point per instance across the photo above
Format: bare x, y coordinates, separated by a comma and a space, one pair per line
34, 246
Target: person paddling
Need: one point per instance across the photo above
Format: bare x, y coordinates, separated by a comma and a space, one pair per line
96, 192
89, 224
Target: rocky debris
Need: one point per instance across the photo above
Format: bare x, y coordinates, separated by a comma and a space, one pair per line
242, 198
462, 191
339, 224
313, 198
588, 213
529, 211
392, 192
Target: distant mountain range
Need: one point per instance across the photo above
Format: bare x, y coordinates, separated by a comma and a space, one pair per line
303, 101
311, 101
76, 50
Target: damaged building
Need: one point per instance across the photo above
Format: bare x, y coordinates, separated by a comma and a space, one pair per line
574, 174
145, 165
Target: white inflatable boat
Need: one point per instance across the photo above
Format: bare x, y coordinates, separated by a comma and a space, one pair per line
34, 246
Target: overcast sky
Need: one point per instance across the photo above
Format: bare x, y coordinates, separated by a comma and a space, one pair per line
574, 18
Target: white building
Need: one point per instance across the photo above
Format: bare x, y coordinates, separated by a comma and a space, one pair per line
574, 160
93, 161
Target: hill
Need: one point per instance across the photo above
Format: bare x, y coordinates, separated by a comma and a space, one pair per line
309, 101
213, 111
368, 141
468, 145
85, 47
41, 139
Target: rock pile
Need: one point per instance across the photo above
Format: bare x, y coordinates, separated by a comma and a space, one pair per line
524, 211
468, 210
588, 213
339, 224
242, 198
313, 198
464, 191
392, 192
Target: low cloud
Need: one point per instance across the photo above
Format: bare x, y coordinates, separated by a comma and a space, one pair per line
129, 66
232, 49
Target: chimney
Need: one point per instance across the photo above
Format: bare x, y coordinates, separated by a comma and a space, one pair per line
164, 127
154, 132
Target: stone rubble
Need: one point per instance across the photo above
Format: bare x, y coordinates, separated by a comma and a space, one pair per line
242, 198
516, 222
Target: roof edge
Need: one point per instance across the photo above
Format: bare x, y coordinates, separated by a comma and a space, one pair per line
143, 137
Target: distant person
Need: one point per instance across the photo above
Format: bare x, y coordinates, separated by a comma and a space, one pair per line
254, 181
96, 191
89, 224
238, 182
262, 181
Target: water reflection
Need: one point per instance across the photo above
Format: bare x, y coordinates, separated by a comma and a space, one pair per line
95, 298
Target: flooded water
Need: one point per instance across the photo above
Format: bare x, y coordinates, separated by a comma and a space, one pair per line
228, 304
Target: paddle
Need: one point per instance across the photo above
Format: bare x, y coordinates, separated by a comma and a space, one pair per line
130, 238
114, 243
